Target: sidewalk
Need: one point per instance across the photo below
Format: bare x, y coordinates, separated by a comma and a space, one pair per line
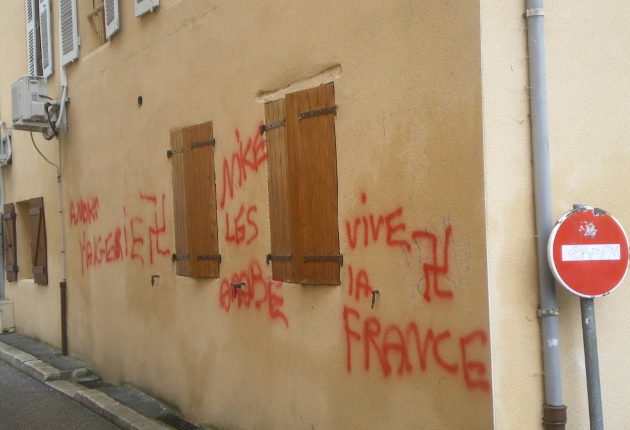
123, 405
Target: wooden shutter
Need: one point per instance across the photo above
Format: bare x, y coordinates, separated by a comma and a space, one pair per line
313, 177
182, 262
68, 35
39, 255
144, 6
32, 40
194, 196
10, 245
44, 33
112, 17
278, 181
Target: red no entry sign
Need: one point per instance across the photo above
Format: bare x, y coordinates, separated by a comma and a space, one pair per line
588, 252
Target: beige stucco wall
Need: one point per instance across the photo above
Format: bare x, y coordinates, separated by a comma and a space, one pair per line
587, 60
409, 150
37, 309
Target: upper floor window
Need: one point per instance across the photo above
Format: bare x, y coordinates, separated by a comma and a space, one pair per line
38, 42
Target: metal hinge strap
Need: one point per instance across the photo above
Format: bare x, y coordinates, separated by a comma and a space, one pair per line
202, 143
170, 153
209, 257
265, 127
323, 258
175, 257
324, 111
271, 257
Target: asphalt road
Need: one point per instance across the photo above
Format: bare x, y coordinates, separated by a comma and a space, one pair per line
26, 404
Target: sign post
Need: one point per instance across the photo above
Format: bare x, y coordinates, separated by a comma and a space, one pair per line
588, 255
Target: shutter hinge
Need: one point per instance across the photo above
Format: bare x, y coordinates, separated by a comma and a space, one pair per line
170, 153
209, 257
271, 257
176, 257
265, 127
202, 143
323, 258
324, 111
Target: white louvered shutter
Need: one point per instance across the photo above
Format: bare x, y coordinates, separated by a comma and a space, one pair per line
144, 6
112, 18
68, 35
32, 46
44, 34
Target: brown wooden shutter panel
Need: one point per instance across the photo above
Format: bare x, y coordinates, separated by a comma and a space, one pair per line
39, 254
201, 201
10, 245
182, 263
313, 169
279, 213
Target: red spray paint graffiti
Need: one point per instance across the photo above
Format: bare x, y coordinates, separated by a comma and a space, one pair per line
84, 211
249, 157
394, 340
107, 248
254, 287
433, 268
380, 341
156, 231
372, 228
243, 231
396, 236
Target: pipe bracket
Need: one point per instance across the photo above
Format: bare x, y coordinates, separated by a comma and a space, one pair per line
548, 312
554, 417
535, 12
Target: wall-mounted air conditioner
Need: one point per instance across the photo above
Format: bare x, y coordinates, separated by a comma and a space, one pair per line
28, 96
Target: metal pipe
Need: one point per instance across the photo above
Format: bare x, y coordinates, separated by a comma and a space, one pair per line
63, 291
2, 233
62, 285
7, 134
592, 364
543, 208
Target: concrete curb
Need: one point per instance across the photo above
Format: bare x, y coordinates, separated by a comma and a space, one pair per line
93, 399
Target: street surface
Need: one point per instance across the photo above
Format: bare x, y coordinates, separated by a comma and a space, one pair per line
26, 404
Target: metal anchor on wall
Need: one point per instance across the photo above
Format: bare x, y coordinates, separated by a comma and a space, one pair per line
374, 293
236, 285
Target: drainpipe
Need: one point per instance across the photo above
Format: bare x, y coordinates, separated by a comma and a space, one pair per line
554, 412
63, 77
2, 198
2, 252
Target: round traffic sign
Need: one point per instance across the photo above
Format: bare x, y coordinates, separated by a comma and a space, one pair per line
588, 252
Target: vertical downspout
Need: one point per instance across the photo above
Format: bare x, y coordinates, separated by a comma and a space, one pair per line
554, 412
62, 285
2, 251
2, 201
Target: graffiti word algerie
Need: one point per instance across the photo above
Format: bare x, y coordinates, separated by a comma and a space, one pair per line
135, 237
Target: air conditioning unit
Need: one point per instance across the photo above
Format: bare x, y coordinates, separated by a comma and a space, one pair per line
28, 96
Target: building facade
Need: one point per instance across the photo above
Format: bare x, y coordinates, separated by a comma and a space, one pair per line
285, 215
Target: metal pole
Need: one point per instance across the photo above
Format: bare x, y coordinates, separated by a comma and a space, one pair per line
592, 364
554, 411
